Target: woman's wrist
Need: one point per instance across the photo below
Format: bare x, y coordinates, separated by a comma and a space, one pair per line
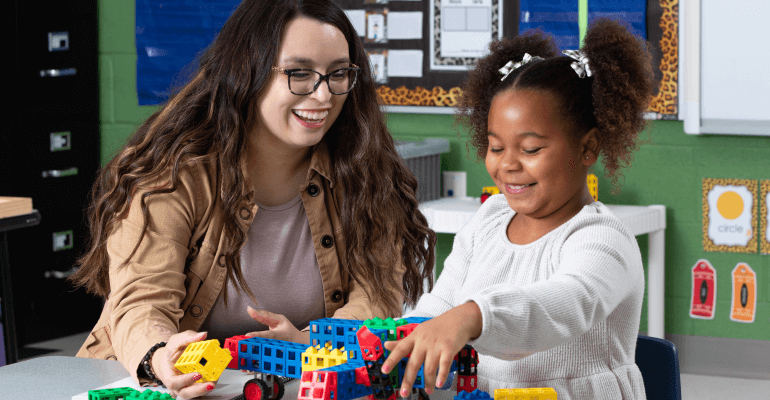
148, 363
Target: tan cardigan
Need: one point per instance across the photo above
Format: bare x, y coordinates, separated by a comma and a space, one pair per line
177, 273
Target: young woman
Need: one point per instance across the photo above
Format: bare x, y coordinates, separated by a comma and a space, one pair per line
270, 173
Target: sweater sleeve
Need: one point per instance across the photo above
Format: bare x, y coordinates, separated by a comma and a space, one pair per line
147, 291
599, 265
456, 267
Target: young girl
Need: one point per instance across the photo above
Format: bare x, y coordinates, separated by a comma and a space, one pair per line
271, 173
544, 282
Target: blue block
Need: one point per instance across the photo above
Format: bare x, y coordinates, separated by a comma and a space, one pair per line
474, 395
419, 380
346, 381
416, 320
332, 330
277, 357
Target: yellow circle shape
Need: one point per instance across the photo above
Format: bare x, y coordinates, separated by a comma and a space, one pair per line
730, 205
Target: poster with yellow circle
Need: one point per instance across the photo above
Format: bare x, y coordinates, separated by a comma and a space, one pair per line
764, 216
730, 215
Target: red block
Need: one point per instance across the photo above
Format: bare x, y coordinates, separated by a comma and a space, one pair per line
318, 385
362, 376
404, 330
231, 344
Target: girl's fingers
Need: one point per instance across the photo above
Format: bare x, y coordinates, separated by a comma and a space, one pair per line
429, 372
443, 372
411, 370
398, 350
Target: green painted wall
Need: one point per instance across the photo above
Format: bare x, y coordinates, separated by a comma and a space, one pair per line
668, 170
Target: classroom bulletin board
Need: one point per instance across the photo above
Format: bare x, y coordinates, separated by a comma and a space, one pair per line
420, 50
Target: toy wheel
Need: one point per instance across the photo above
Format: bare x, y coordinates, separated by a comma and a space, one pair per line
278, 389
255, 389
423, 395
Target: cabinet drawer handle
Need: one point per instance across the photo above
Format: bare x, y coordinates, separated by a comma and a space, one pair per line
58, 173
53, 73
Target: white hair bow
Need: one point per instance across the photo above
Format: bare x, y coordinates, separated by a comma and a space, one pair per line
511, 66
581, 62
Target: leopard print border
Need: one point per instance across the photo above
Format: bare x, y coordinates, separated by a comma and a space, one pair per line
708, 244
665, 102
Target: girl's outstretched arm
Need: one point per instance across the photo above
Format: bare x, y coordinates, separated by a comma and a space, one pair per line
435, 342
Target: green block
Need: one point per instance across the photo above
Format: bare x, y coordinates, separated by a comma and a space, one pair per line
111, 394
150, 395
389, 324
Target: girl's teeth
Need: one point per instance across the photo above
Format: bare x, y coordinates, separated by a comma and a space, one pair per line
311, 115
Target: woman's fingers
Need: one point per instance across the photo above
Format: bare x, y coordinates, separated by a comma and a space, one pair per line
265, 317
195, 390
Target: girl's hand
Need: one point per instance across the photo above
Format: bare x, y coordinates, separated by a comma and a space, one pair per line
280, 327
182, 386
435, 343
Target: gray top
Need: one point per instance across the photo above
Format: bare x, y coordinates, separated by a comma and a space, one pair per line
280, 266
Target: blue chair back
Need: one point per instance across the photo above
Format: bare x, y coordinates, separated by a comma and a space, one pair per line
658, 361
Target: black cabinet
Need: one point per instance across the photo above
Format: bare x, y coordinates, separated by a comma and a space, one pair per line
49, 151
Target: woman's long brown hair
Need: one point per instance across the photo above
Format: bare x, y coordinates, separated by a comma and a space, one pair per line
210, 119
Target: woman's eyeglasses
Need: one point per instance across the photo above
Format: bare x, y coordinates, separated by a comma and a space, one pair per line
305, 81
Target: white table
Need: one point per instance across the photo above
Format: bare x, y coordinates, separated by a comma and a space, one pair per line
448, 215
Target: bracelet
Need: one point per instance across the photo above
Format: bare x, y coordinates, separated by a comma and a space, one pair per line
148, 367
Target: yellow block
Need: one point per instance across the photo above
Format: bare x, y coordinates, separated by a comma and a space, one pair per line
490, 189
206, 358
593, 186
526, 394
315, 358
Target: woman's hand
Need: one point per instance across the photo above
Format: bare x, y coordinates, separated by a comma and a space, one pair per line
182, 386
280, 327
435, 342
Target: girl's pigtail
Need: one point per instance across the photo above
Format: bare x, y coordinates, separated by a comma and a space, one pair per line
621, 69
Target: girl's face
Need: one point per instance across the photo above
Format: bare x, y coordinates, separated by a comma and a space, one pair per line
533, 159
290, 121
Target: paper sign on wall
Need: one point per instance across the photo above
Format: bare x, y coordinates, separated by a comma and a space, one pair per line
730, 215
764, 217
704, 290
744, 300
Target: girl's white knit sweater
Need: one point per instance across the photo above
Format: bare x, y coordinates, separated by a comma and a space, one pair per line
561, 312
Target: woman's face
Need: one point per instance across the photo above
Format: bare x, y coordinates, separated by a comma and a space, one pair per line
290, 121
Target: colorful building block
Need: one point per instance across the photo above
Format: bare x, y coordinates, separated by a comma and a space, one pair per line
318, 385
332, 330
526, 394
315, 358
149, 395
474, 395
347, 381
206, 358
388, 324
593, 186
271, 356
111, 394
231, 345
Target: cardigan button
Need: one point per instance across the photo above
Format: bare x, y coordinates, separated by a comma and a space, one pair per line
313, 190
337, 296
222, 261
112, 357
327, 241
245, 213
196, 310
